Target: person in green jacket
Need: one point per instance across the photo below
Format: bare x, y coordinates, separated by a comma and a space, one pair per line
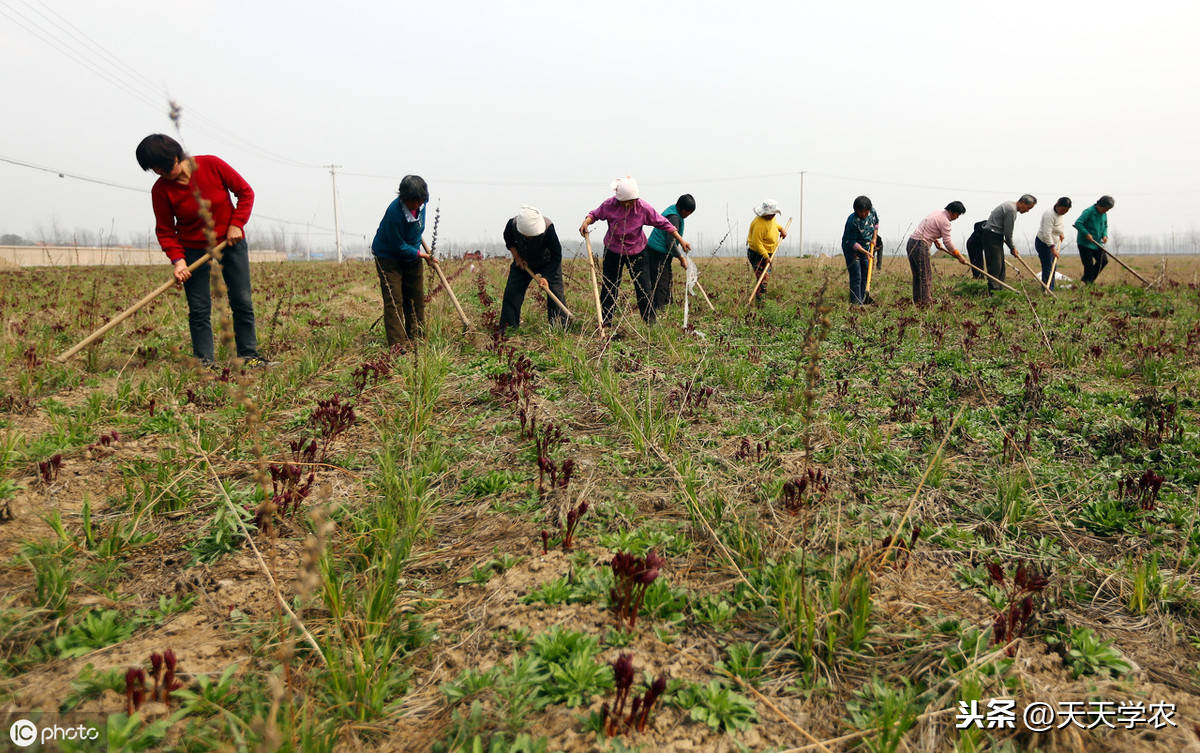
662, 247
1092, 227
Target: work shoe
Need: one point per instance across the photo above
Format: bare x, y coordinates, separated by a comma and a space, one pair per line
254, 362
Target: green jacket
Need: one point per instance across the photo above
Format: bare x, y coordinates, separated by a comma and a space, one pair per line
663, 243
1091, 222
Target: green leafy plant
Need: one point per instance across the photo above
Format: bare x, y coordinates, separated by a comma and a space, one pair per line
890, 711
91, 684
1088, 654
96, 629
716, 705
470, 682
575, 680
742, 660
714, 611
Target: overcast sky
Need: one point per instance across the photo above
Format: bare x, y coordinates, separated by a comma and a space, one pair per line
501, 104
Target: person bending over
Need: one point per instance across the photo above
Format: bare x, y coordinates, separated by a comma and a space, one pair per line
182, 182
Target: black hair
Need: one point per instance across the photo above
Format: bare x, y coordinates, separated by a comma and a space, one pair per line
685, 203
159, 150
413, 188
861, 203
1105, 202
1063, 201
957, 207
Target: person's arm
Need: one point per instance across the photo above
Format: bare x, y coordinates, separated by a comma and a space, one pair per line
553, 249
755, 238
1081, 224
672, 245
510, 242
849, 235
553, 245
244, 194
413, 247
599, 213
1010, 224
946, 242
164, 224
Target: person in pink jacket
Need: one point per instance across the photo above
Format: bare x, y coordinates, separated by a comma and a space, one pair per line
934, 231
625, 244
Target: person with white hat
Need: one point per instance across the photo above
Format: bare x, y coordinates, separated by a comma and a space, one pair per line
625, 243
536, 250
763, 240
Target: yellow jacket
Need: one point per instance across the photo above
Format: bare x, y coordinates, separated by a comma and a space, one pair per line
763, 237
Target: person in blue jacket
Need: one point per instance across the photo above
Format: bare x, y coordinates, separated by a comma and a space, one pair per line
859, 238
398, 254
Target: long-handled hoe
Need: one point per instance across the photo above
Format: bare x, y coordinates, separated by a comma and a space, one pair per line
137, 306
985, 273
1128, 268
587, 240
433, 262
545, 286
871, 261
1036, 277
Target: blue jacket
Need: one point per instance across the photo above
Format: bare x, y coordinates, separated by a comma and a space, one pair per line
859, 230
399, 235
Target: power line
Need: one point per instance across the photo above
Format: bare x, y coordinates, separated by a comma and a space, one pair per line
65, 174
110, 184
573, 184
73, 43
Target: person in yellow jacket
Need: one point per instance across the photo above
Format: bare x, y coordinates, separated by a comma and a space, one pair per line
762, 241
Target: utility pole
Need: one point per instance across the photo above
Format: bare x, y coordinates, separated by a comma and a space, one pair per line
800, 229
337, 227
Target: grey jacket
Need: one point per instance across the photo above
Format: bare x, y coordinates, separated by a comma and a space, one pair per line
1002, 220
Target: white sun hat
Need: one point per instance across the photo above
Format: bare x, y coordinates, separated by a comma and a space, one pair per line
625, 188
530, 221
769, 206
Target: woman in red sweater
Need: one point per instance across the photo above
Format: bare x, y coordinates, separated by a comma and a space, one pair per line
180, 231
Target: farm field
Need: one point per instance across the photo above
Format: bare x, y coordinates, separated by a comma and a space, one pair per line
822, 528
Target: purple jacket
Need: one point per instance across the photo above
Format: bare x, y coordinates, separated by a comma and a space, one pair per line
625, 236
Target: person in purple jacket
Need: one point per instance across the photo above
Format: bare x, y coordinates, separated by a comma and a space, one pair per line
625, 244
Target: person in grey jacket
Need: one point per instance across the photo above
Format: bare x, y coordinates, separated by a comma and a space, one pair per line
998, 233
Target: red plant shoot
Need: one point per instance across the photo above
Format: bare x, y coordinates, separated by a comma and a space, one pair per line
1012, 622
632, 576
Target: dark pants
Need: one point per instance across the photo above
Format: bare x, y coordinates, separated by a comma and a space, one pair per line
235, 268
1046, 256
402, 284
514, 294
758, 264
922, 271
975, 250
993, 254
661, 278
1094, 260
639, 272
856, 265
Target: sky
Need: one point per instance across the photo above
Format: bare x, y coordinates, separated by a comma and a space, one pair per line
497, 105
